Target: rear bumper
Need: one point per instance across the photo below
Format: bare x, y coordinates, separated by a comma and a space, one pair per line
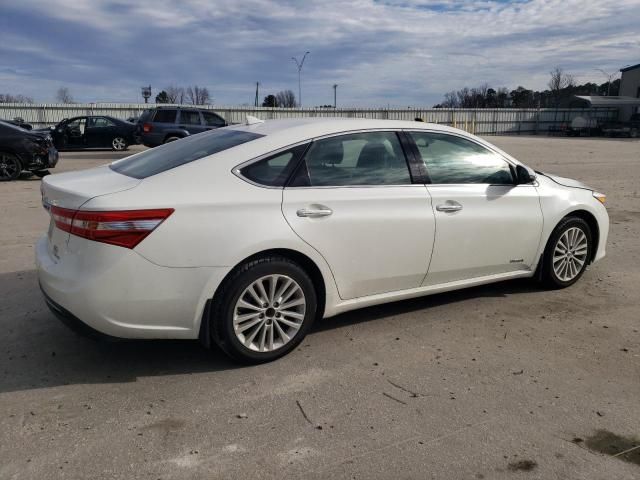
107, 290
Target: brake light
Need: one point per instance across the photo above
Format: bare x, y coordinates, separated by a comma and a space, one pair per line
124, 228
147, 127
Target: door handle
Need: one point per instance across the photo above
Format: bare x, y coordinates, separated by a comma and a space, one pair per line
449, 207
314, 211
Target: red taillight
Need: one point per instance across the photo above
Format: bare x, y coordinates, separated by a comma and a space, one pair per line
125, 228
147, 127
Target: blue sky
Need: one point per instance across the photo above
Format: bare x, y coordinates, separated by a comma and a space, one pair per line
385, 52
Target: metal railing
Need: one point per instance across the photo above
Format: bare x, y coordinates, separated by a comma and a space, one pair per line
482, 121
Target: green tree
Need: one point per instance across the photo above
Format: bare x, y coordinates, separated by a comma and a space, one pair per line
270, 101
162, 97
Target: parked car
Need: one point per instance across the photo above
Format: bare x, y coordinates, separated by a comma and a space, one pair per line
22, 150
93, 131
628, 129
165, 124
19, 122
243, 236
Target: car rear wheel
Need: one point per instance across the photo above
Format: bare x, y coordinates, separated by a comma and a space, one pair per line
263, 310
119, 144
634, 133
10, 167
171, 139
567, 253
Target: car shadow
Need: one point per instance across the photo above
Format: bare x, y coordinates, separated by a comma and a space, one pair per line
387, 310
38, 351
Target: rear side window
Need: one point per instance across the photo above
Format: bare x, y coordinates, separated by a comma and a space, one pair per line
274, 171
165, 116
374, 158
180, 152
190, 117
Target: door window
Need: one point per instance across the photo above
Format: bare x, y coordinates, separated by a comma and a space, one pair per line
99, 122
165, 116
213, 120
373, 158
452, 159
189, 117
76, 127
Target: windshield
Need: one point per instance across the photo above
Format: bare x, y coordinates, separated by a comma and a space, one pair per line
180, 152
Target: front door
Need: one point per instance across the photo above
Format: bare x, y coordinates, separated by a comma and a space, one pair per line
190, 121
485, 223
353, 201
74, 132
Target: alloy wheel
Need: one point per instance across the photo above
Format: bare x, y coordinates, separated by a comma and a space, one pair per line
570, 254
119, 143
269, 313
9, 166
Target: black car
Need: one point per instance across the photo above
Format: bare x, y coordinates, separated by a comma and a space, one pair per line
165, 124
19, 122
22, 149
93, 131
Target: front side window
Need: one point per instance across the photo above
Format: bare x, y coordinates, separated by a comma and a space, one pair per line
165, 116
274, 171
213, 120
373, 158
190, 117
452, 159
174, 154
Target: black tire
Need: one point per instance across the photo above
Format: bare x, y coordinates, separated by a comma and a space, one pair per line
634, 133
224, 302
41, 173
119, 144
10, 167
549, 277
171, 139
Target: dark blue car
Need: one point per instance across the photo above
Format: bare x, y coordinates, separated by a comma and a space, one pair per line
165, 124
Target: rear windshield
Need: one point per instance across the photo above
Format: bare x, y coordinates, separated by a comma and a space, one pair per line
174, 154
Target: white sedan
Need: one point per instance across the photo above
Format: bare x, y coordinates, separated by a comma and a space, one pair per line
243, 236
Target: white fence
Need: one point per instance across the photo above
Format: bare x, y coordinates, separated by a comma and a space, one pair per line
485, 121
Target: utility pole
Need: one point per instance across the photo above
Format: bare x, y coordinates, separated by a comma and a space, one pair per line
335, 89
609, 77
299, 64
257, 94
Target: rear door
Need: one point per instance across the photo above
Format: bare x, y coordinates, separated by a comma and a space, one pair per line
190, 120
100, 132
353, 200
485, 223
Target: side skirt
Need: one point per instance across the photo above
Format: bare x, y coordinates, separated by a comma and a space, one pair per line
379, 298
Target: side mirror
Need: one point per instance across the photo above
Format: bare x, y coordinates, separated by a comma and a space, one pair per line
524, 175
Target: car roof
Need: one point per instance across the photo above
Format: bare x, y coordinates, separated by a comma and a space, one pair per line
313, 127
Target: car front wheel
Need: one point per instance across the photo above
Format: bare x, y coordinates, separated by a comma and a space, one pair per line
567, 253
10, 167
263, 310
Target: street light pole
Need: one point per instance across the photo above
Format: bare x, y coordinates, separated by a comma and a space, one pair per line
335, 89
609, 77
299, 64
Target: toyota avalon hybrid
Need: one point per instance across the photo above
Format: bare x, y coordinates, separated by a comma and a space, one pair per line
244, 235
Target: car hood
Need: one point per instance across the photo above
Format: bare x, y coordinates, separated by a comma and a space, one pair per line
567, 182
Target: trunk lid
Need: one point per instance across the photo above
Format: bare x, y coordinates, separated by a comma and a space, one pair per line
72, 190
